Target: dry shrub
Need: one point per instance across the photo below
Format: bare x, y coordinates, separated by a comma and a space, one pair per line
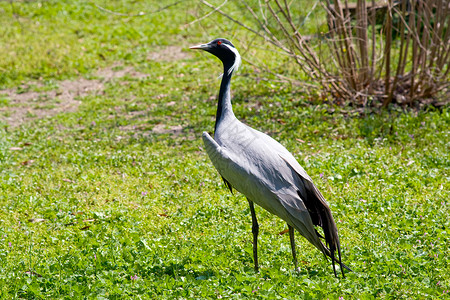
373, 53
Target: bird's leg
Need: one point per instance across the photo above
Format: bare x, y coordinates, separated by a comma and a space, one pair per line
255, 231
294, 253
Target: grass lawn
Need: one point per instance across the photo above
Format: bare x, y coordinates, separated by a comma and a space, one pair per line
106, 191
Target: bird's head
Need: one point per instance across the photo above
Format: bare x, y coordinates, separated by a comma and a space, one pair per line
225, 51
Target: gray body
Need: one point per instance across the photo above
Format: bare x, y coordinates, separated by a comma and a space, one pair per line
265, 171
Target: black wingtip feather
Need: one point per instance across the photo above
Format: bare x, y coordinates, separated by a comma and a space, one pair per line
332, 261
321, 216
340, 260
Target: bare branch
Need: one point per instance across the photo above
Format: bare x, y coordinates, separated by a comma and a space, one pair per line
403, 60
207, 15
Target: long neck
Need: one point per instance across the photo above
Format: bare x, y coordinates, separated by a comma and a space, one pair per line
224, 107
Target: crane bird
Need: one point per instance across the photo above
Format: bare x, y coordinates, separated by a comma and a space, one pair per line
265, 171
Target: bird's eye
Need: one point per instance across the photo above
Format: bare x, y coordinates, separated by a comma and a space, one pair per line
219, 43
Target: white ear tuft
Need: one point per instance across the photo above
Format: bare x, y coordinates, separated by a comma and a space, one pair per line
237, 59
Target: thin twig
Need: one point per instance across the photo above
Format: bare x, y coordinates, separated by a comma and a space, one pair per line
387, 53
240, 23
361, 32
207, 15
266, 29
418, 67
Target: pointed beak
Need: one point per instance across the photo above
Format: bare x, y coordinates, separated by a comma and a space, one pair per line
201, 46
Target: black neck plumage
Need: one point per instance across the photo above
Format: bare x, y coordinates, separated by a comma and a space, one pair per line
224, 92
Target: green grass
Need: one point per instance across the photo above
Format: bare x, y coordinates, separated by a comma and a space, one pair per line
95, 204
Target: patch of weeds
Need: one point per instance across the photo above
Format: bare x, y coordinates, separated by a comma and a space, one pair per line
4, 100
375, 127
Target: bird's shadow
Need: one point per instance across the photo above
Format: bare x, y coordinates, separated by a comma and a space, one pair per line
176, 270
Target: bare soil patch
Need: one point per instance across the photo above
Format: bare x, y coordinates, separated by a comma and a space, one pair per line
168, 53
157, 129
26, 105
164, 129
116, 71
29, 105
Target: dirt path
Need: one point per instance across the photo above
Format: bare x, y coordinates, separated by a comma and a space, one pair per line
26, 103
